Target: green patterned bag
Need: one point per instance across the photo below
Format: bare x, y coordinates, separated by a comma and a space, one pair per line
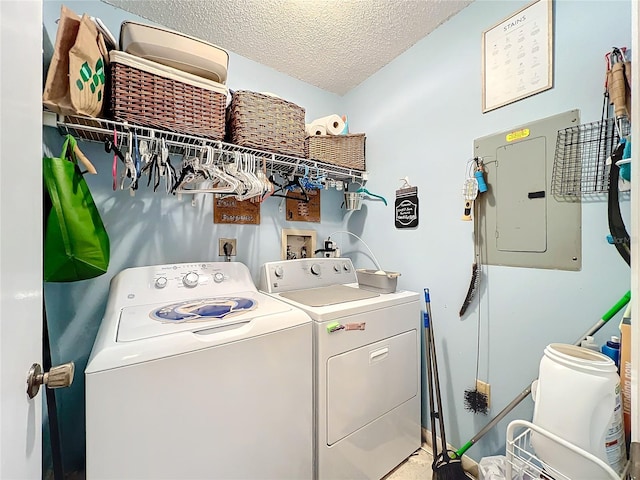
76, 244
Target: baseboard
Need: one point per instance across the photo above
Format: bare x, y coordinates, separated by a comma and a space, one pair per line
468, 464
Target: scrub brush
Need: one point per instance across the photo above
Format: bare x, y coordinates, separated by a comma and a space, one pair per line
473, 286
476, 401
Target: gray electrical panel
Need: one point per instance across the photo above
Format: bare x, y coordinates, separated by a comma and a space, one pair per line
520, 223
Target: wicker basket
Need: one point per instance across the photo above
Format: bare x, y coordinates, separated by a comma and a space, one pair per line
154, 96
256, 120
342, 150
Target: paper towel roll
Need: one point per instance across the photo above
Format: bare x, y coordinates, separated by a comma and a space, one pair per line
333, 123
315, 129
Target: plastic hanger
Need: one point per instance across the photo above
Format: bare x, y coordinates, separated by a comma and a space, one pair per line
84, 160
268, 186
364, 190
309, 183
129, 166
217, 181
165, 169
112, 146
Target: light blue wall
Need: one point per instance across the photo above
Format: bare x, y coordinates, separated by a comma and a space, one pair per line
421, 114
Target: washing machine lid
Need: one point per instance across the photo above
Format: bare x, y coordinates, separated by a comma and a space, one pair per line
145, 321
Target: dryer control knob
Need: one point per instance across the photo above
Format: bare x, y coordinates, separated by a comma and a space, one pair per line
315, 269
279, 271
347, 267
161, 282
190, 279
336, 268
218, 277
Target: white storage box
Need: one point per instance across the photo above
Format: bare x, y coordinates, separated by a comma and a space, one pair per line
175, 49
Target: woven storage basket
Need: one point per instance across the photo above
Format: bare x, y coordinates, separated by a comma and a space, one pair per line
148, 94
342, 150
267, 123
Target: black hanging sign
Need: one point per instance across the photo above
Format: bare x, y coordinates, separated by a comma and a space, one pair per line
407, 207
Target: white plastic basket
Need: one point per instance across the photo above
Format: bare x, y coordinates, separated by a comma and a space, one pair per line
523, 464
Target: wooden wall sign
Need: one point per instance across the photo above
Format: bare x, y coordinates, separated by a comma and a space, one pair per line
230, 210
300, 211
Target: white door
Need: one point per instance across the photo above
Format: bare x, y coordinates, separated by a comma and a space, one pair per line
20, 235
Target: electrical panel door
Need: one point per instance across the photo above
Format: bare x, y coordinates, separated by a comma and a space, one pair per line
520, 223
521, 219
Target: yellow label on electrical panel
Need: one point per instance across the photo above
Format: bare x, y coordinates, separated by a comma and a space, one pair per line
518, 134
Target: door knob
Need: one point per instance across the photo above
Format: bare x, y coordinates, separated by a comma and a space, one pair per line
57, 377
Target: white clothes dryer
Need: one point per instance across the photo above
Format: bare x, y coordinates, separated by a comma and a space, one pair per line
195, 374
367, 394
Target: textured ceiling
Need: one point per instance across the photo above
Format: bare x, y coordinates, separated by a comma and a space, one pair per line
333, 44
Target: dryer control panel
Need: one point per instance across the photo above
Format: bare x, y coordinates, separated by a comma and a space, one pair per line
287, 275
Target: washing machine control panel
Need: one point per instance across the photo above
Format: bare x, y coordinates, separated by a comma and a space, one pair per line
305, 273
174, 282
187, 275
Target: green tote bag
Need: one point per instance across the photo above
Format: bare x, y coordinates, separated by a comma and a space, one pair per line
76, 244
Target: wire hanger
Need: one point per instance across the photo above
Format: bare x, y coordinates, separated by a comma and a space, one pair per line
291, 186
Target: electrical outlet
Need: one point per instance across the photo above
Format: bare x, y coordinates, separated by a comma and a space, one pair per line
485, 388
222, 242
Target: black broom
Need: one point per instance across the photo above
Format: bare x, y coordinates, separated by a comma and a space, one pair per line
445, 466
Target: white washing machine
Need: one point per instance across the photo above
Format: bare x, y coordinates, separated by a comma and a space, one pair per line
367, 397
195, 374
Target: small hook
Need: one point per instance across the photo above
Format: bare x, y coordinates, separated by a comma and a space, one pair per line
405, 182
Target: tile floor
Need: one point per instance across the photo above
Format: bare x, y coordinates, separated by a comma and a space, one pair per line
416, 467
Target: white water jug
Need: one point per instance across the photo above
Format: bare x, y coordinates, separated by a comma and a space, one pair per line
577, 397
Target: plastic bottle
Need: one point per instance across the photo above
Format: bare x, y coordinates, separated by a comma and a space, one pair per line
612, 350
577, 397
589, 342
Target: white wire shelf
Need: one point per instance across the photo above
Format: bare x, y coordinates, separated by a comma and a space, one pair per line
524, 464
99, 130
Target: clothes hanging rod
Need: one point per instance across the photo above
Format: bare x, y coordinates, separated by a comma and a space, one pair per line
99, 129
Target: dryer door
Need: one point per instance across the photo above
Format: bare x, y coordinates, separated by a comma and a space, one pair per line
370, 381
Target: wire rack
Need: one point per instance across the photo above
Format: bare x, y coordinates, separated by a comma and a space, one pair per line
524, 464
98, 130
580, 166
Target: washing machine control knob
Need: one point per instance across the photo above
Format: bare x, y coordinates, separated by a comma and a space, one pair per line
347, 267
279, 271
190, 279
218, 277
161, 282
336, 268
315, 269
